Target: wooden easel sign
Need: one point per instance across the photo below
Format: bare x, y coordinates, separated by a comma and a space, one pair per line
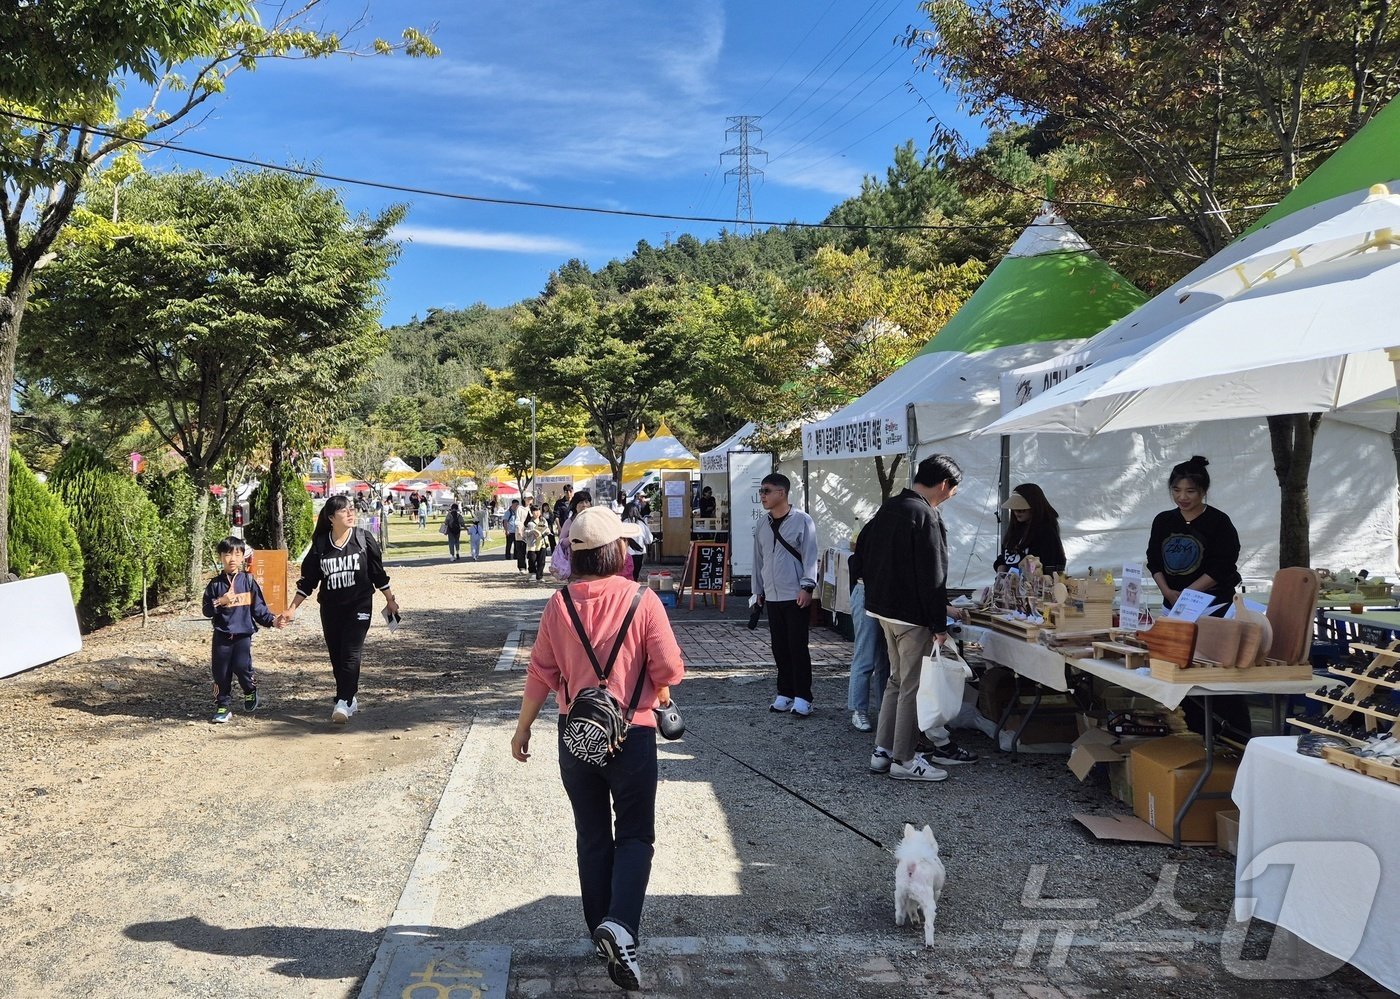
707, 570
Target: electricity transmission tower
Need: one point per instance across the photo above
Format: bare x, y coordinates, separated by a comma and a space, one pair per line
744, 125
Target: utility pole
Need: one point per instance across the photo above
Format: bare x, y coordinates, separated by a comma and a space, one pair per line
745, 126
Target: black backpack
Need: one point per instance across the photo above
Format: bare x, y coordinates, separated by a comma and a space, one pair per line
596, 727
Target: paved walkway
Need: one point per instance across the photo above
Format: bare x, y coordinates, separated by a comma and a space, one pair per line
756, 892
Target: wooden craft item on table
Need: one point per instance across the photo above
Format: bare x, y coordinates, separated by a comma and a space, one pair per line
1292, 604
1251, 651
1266, 630
1171, 641
1217, 641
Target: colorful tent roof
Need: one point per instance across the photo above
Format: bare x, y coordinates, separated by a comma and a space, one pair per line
1050, 288
661, 450
583, 462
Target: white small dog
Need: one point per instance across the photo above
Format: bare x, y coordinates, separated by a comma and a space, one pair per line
918, 879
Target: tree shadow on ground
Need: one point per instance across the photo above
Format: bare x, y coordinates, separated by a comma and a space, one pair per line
299, 951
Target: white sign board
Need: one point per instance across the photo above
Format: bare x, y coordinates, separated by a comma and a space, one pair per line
38, 621
1130, 609
746, 472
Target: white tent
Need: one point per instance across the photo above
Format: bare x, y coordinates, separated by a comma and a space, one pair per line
583, 462
1107, 489
661, 451
714, 461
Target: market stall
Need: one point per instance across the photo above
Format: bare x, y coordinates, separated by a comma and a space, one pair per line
1318, 856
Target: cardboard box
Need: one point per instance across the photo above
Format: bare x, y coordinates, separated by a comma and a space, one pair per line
1164, 771
1227, 831
1097, 747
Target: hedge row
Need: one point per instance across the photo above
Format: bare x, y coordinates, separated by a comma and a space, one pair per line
41, 540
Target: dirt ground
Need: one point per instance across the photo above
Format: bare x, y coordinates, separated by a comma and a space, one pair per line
127, 819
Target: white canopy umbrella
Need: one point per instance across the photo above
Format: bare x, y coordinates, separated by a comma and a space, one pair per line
1372, 225
1314, 340
1297, 323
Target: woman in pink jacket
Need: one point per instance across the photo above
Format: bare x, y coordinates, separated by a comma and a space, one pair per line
614, 861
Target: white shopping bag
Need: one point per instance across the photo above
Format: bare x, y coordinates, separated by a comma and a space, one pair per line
941, 683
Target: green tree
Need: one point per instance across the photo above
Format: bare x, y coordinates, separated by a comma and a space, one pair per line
209, 298
175, 498
118, 530
618, 361
288, 524
492, 418
400, 421
63, 69
42, 540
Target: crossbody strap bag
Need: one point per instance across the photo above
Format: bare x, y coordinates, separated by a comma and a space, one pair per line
595, 726
777, 536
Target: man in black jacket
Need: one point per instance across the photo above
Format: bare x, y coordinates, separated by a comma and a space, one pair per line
903, 558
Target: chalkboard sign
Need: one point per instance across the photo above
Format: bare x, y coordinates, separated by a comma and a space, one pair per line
707, 569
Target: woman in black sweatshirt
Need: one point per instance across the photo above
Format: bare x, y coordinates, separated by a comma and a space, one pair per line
348, 566
1194, 546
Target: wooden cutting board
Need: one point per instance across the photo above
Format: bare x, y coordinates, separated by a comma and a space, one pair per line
1170, 640
1218, 640
1266, 630
1292, 604
1251, 651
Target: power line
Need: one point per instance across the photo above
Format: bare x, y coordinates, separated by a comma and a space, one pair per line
820, 62
594, 210
792, 52
890, 59
838, 67
803, 142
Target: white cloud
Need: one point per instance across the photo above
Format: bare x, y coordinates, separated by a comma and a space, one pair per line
475, 239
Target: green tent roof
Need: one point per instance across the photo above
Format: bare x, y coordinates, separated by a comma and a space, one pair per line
1062, 294
1371, 156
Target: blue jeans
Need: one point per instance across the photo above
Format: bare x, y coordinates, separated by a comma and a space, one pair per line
614, 863
871, 658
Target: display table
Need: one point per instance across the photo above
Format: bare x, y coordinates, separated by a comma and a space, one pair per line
1328, 828
1032, 661
1344, 626
1170, 695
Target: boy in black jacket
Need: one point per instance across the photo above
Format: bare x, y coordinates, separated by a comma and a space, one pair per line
235, 602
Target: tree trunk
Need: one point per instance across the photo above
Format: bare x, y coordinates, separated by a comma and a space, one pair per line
198, 523
1292, 440
276, 515
886, 478
11, 313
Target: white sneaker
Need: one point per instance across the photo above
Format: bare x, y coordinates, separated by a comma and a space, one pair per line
781, 703
880, 761
340, 714
860, 722
353, 706
620, 947
917, 769
801, 707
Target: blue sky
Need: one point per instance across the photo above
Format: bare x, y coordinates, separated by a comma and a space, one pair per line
597, 102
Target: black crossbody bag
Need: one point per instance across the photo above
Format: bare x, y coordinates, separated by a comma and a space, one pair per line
596, 727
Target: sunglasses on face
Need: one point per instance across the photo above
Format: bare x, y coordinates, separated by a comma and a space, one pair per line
769, 489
